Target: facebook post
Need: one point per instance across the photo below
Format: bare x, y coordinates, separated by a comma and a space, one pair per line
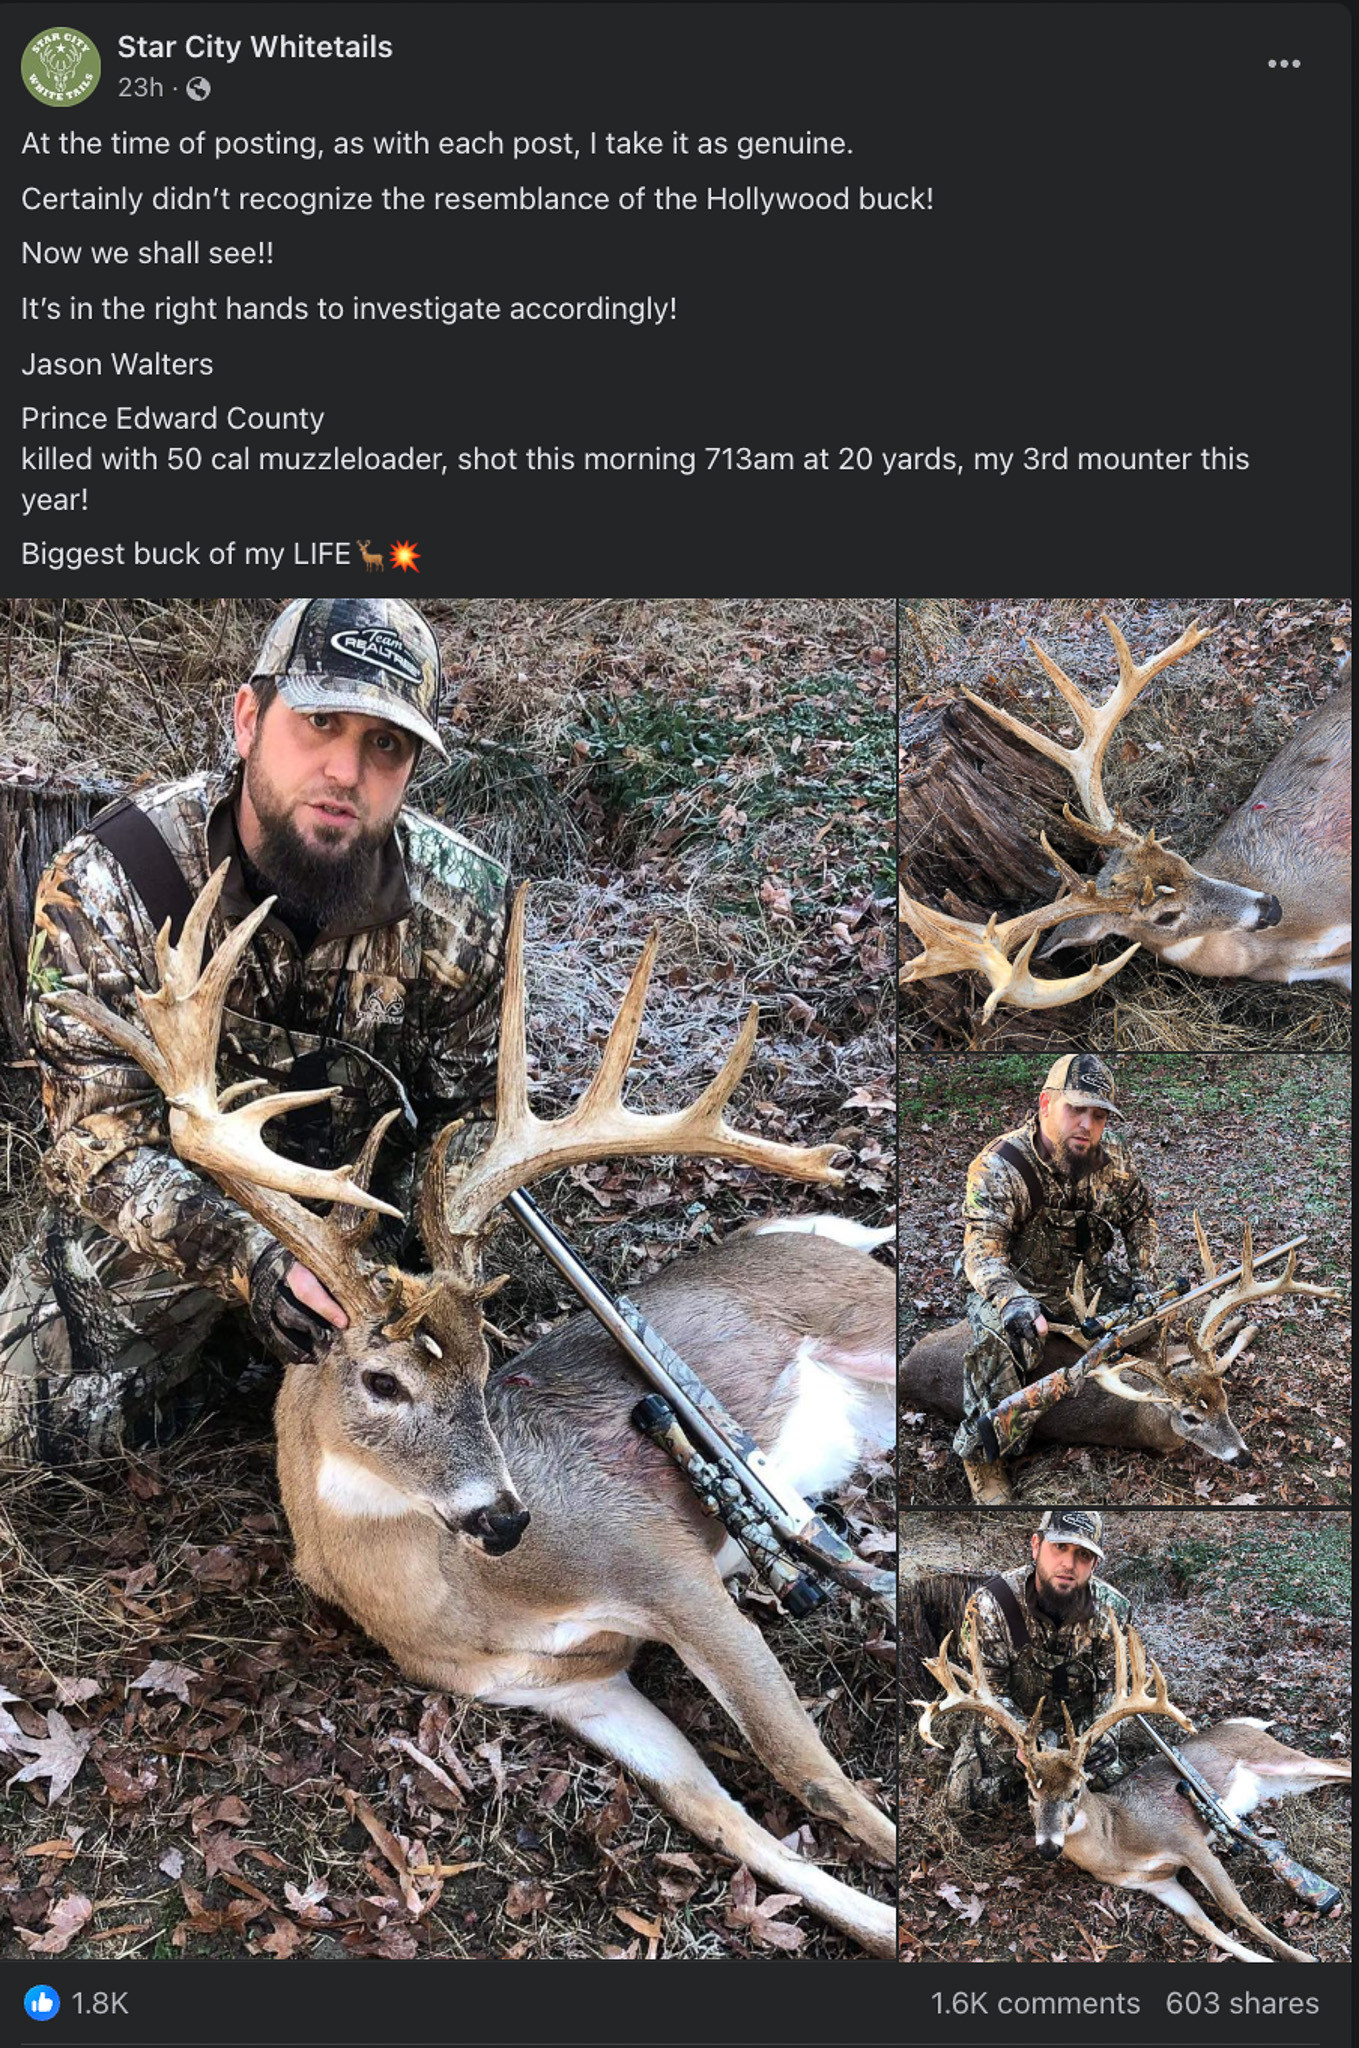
674, 1269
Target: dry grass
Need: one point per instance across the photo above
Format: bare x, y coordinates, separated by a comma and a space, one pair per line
1186, 756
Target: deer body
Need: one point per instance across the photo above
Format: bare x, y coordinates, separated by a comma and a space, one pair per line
1144, 1832
795, 1334
932, 1379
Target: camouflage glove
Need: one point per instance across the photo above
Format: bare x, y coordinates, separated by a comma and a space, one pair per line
1019, 1321
291, 1330
1102, 1754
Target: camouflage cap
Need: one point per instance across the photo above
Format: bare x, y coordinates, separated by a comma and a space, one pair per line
1083, 1080
368, 654
1073, 1525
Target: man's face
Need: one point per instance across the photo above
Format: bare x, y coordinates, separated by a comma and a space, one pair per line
320, 797
1062, 1571
1073, 1134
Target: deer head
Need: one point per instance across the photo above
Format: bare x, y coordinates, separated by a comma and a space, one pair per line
1055, 1777
396, 1407
1188, 1384
1146, 892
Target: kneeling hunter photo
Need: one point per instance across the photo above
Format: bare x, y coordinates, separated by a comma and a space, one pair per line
396, 1564
1109, 1723
1151, 1257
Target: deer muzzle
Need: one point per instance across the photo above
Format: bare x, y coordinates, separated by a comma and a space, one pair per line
1271, 910
498, 1527
1048, 1849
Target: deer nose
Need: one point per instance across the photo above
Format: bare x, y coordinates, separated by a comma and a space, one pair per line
1270, 913
1048, 1850
498, 1527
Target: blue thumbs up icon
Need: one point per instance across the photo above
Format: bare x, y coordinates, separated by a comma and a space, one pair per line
42, 2003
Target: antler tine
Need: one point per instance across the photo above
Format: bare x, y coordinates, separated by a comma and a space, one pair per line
600, 1126
1131, 1699
1248, 1288
1098, 722
1110, 1375
1206, 1258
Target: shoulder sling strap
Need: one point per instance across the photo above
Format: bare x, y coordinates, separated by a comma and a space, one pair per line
1003, 1593
1027, 1172
148, 863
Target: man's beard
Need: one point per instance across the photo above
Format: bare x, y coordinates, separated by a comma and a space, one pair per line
1077, 1605
1076, 1165
322, 885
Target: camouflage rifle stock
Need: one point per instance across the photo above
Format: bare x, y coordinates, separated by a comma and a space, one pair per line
999, 1428
1317, 1891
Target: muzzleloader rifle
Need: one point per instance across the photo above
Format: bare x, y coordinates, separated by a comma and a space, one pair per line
1112, 1335
780, 1532
1317, 1891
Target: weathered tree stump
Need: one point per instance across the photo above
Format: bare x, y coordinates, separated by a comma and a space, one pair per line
972, 804
39, 812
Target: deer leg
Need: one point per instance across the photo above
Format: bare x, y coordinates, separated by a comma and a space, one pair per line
733, 1660
1170, 1892
614, 1717
1214, 1879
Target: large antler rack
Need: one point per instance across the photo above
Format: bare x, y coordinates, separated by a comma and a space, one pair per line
1002, 952
525, 1146
178, 1050
1098, 722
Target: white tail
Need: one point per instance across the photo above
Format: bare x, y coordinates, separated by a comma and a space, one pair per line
1142, 1834
370, 562
1268, 899
514, 1538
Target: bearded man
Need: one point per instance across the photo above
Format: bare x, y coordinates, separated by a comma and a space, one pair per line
1043, 1631
376, 972
1041, 1201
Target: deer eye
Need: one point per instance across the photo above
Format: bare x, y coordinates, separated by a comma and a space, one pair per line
385, 1386
1167, 917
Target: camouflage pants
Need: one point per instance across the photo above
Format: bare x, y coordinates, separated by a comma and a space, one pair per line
991, 1372
153, 1324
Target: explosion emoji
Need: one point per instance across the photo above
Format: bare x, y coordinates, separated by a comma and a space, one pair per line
405, 555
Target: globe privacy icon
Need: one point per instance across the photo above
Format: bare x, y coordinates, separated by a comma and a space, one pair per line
42, 2002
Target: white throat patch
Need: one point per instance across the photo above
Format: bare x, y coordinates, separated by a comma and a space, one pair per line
349, 1488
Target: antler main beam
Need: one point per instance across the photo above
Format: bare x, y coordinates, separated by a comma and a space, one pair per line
1134, 1698
1085, 762
525, 1146
968, 1690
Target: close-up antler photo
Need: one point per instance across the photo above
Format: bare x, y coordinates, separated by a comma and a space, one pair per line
1266, 900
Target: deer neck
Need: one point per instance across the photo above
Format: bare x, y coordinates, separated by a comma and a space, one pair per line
1089, 1841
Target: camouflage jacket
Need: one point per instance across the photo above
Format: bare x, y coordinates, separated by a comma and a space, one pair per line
1008, 1250
402, 1004
1072, 1662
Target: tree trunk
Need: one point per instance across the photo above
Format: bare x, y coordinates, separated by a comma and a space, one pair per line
972, 804
37, 817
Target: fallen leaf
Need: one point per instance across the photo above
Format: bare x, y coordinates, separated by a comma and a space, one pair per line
161, 1676
57, 1757
172, 1863
64, 1922
652, 1929
524, 1897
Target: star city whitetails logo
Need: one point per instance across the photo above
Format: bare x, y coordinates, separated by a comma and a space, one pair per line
382, 648
61, 67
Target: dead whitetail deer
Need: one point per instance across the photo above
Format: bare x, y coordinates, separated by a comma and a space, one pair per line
508, 1535
1143, 1833
1269, 898
1156, 1403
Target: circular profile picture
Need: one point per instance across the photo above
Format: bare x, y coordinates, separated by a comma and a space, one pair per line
61, 67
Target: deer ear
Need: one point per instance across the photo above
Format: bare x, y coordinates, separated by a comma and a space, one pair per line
1077, 931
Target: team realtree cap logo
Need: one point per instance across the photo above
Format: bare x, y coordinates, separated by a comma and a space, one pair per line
382, 648
61, 67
